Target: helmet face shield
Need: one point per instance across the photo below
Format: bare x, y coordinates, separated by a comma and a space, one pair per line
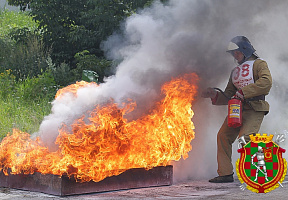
242, 44
232, 46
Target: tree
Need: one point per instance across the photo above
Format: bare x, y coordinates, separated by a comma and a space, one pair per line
72, 26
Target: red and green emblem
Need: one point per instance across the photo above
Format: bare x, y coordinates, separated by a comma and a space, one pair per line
261, 165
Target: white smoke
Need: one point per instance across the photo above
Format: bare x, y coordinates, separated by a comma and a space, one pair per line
180, 37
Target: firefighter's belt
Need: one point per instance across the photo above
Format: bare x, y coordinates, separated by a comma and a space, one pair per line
257, 98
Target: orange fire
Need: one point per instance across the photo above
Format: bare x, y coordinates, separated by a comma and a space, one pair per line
109, 144
73, 88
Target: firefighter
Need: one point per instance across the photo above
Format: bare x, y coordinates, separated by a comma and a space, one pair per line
250, 81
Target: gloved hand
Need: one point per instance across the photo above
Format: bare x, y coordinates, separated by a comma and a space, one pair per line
239, 95
209, 93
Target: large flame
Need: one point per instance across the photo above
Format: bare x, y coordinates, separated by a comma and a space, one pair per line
108, 144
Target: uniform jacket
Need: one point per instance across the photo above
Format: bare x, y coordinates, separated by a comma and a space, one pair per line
261, 86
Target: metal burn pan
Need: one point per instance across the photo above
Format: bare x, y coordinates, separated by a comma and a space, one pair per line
64, 186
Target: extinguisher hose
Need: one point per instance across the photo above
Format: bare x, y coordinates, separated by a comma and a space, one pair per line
222, 93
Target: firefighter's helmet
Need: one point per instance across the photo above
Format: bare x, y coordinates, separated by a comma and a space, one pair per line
242, 44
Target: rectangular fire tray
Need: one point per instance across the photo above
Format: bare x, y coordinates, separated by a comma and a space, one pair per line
63, 186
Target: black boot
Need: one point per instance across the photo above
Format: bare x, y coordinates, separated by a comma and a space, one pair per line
222, 179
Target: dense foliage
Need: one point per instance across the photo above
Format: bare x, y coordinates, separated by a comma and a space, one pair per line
15, 20
22, 50
71, 27
69, 32
26, 84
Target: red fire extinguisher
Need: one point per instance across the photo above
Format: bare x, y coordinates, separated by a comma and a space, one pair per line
234, 113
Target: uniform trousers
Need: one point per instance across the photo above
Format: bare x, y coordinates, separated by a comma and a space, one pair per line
251, 122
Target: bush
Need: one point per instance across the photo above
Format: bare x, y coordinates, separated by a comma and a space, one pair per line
87, 61
30, 89
22, 35
25, 60
5, 51
22, 49
7, 83
37, 88
28, 60
11, 20
62, 74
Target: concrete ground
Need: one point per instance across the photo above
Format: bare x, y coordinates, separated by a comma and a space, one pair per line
185, 190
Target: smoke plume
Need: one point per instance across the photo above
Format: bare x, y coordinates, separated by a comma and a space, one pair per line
166, 40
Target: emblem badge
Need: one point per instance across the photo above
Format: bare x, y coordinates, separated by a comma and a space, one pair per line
261, 167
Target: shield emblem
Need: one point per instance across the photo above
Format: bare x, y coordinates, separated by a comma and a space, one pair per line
261, 165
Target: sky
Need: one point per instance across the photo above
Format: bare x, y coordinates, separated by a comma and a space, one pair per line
4, 4
165, 41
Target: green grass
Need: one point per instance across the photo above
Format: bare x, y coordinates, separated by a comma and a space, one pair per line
24, 103
25, 116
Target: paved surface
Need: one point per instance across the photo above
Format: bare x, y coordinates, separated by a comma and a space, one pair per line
188, 190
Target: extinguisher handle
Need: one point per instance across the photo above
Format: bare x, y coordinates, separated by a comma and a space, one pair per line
222, 92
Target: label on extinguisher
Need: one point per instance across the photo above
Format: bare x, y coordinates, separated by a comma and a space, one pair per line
234, 111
